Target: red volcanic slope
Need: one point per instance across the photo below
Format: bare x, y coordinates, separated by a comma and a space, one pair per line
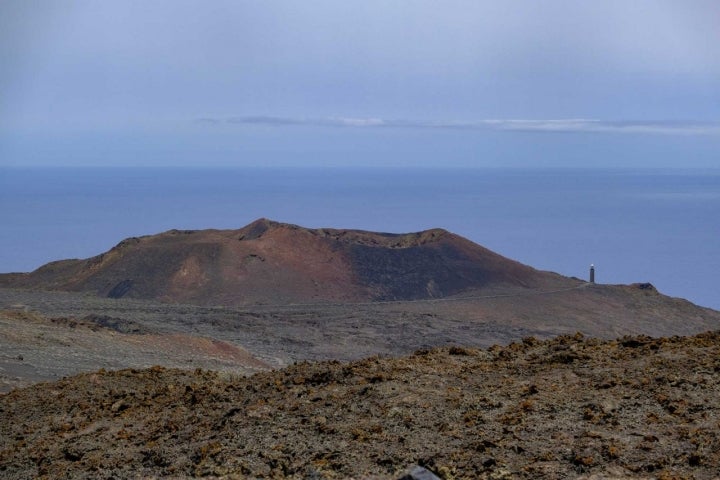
271, 262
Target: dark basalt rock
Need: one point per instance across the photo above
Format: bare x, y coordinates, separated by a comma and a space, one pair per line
121, 289
419, 473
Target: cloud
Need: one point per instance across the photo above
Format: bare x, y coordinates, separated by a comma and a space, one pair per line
515, 125
601, 126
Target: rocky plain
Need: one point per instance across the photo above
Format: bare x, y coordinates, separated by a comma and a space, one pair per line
570, 407
275, 351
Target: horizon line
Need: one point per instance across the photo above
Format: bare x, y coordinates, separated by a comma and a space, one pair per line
567, 125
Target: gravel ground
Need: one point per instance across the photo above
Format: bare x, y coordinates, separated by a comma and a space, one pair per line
48, 335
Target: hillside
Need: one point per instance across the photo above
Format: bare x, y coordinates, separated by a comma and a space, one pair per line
273, 263
571, 407
272, 294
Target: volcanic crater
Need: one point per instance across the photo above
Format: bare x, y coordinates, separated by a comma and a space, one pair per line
269, 262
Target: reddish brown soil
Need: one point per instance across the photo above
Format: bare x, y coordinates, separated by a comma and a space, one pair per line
273, 263
566, 408
35, 348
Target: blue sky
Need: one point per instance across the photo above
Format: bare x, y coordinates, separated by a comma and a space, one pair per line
426, 83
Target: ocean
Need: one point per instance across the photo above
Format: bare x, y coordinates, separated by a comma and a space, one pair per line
657, 226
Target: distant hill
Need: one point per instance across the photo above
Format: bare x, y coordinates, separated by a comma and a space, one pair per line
275, 263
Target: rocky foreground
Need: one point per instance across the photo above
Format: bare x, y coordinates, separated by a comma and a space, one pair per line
566, 408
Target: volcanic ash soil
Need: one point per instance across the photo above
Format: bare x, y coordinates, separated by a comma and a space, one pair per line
571, 407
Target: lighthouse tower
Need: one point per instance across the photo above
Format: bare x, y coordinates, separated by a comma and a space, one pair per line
592, 273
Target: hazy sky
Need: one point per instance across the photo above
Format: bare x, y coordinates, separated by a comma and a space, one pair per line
428, 83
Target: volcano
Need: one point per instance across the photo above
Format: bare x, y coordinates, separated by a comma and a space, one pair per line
268, 262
